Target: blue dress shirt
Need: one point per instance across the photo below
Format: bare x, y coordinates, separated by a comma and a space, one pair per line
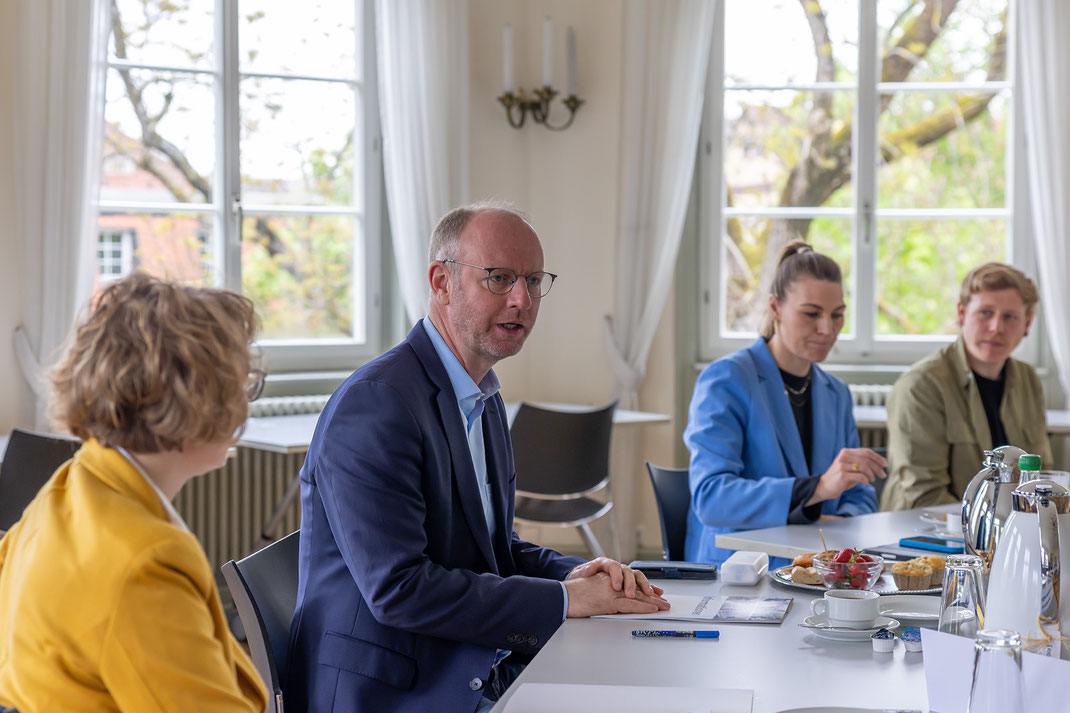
470, 399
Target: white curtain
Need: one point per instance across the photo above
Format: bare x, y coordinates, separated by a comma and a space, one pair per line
666, 54
1043, 27
422, 48
58, 112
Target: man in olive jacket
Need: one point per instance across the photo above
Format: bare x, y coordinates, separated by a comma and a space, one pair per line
969, 397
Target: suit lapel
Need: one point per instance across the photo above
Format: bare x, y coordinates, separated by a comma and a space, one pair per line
785, 429
825, 418
464, 473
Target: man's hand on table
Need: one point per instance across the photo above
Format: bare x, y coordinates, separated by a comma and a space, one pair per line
605, 586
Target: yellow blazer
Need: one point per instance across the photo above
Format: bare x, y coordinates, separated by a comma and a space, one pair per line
106, 605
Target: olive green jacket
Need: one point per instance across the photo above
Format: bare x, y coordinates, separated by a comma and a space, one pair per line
938, 432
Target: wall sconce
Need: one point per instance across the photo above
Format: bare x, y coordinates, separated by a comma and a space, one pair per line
517, 104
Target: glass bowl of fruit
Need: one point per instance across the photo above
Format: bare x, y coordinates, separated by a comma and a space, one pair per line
848, 569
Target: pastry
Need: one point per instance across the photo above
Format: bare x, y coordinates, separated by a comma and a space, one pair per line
912, 574
937, 563
805, 575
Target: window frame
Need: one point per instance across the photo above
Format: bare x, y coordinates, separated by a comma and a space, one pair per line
863, 345
226, 209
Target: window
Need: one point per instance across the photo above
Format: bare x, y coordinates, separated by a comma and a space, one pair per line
877, 130
114, 253
241, 144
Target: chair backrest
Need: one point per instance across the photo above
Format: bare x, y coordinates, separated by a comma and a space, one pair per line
878, 484
673, 495
264, 588
29, 461
561, 452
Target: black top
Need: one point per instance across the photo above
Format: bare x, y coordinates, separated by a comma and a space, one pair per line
991, 392
797, 389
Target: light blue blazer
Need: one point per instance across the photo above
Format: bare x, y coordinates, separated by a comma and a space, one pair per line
746, 451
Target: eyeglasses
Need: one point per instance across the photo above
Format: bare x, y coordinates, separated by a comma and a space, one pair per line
255, 387
500, 280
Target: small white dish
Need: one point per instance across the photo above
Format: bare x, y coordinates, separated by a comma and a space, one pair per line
911, 607
934, 517
820, 620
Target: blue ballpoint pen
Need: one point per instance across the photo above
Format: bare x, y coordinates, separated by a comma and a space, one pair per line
670, 634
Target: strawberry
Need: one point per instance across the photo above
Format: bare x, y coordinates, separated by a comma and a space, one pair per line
844, 555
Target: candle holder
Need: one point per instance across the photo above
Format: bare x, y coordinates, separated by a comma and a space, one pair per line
518, 106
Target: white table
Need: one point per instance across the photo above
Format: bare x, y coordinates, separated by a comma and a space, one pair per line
873, 530
877, 417
786, 666
293, 434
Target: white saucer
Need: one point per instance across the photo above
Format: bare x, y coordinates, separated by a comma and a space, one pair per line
911, 607
881, 622
933, 517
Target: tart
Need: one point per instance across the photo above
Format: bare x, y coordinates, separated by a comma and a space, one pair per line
937, 563
912, 574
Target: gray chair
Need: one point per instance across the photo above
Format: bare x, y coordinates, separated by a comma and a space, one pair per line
264, 588
562, 458
673, 496
29, 461
878, 484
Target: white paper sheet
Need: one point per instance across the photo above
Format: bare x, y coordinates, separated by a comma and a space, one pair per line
583, 698
949, 673
682, 607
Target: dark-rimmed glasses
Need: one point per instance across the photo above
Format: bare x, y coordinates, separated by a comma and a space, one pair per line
500, 280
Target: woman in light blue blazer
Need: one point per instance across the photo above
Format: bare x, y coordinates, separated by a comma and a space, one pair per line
772, 437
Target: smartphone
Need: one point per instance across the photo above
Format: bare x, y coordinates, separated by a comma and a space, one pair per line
936, 544
660, 569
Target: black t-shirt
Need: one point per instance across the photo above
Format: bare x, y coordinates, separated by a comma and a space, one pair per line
803, 488
991, 392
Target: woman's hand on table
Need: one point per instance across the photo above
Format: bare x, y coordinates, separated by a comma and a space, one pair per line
853, 466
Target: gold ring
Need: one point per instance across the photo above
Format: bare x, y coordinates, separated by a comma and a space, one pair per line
854, 467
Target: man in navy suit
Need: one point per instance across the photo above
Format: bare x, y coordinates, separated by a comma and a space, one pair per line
415, 593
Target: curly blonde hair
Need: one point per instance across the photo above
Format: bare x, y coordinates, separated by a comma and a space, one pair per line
158, 365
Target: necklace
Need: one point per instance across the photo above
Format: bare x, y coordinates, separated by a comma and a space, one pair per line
801, 390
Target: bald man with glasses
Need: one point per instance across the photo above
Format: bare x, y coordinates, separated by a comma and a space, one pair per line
415, 592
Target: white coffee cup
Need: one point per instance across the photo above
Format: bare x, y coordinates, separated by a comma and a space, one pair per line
854, 609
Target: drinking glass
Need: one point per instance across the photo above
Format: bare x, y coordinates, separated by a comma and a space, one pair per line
997, 673
962, 603
1056, 476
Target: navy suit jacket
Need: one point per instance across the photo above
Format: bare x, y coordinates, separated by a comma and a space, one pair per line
403, 596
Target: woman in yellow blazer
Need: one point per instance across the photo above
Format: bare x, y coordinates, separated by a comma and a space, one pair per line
107, 602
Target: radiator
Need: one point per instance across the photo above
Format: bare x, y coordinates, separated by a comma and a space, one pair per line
871, 395
228, 507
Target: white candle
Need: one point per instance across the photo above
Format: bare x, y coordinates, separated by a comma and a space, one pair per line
570, 45
547, 52
507, 58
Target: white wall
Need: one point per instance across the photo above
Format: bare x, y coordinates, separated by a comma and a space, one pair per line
569, 183
12, 391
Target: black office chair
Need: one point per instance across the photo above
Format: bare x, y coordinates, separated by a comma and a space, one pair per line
29, 461
562, 457
878, 484
264, 588
673, 496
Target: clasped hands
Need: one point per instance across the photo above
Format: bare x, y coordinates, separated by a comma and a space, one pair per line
605, 586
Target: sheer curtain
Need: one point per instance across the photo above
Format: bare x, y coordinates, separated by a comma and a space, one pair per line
667, 49
422, 48
1043, 26
59, 88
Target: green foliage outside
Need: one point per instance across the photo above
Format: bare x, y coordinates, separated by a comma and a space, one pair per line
939, 150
